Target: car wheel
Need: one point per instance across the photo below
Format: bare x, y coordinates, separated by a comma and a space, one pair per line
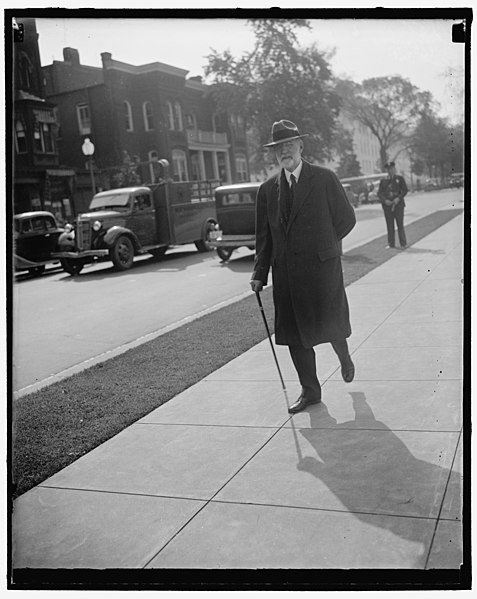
203, 245
72, 267
224, 253
122, 253
37, 271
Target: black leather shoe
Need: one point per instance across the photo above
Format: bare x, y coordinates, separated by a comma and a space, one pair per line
347, 370
301, 403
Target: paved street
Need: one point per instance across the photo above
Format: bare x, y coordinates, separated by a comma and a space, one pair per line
63, 323
222, 477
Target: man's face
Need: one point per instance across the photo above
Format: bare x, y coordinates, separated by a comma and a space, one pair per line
288, 154
391, 171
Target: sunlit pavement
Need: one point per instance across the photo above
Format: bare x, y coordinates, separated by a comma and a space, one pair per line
222, 477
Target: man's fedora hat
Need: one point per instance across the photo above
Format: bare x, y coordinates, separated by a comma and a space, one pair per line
284, 131
389, 164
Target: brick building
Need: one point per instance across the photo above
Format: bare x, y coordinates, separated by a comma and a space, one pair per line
40, 182
137, 114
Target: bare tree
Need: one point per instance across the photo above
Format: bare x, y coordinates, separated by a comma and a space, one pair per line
390, 107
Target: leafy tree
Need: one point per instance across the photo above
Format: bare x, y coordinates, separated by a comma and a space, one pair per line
389, 106
278, 80
126, 174
455, 148
438, 145
349, 165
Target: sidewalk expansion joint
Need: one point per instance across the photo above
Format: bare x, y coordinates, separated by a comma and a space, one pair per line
284, 426
214, 495
443, 500
128, 493
212, 425
319, 509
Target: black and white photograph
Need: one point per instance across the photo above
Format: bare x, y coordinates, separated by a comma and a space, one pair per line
238, 298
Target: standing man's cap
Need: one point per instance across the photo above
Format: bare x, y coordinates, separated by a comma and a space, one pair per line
284, 131
389, 164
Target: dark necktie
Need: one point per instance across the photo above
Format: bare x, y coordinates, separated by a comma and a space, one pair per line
291, 195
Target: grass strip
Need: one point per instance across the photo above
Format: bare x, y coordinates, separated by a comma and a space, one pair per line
58, 424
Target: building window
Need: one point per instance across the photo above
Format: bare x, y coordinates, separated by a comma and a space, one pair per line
191, 122
84, 120
20, 138
25, 70
148, 120
177, 117
128, 116
241, 168
47, 138
179, 165
153, 156
56, 114
222, 164
37, 142
195, 166
43, 138
170, 116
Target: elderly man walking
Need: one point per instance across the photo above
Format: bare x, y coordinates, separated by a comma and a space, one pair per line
301, 216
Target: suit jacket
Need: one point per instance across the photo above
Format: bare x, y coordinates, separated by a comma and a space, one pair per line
304, 254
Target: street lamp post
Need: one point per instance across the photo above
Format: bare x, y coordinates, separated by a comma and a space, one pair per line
88, 150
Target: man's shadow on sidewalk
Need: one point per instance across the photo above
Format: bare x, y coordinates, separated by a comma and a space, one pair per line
371, 471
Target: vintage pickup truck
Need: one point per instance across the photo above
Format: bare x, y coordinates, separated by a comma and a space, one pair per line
123, 223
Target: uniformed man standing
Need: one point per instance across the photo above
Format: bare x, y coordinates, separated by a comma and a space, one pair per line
391, 192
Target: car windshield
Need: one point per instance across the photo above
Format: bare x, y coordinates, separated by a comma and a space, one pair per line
113, 200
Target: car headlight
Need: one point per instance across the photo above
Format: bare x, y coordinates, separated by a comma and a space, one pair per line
97, 225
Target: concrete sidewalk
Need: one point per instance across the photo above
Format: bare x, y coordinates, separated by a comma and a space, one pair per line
222, 477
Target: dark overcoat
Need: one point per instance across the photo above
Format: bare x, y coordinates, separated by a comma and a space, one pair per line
304, 254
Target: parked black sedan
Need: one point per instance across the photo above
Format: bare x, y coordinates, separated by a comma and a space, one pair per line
35, 236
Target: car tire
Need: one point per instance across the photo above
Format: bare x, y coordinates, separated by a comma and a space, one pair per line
122, 253
37, 271
72, 267
203, 245
224, 253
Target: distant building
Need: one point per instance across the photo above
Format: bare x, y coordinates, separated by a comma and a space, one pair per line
138, 114
40, 183
365, 146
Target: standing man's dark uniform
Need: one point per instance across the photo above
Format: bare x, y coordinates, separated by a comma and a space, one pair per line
391, 192
302, 214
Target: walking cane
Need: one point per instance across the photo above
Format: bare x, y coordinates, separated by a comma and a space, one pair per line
260, 305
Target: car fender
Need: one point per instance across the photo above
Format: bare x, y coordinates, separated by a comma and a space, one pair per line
206, 226
66, 240
113, 233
